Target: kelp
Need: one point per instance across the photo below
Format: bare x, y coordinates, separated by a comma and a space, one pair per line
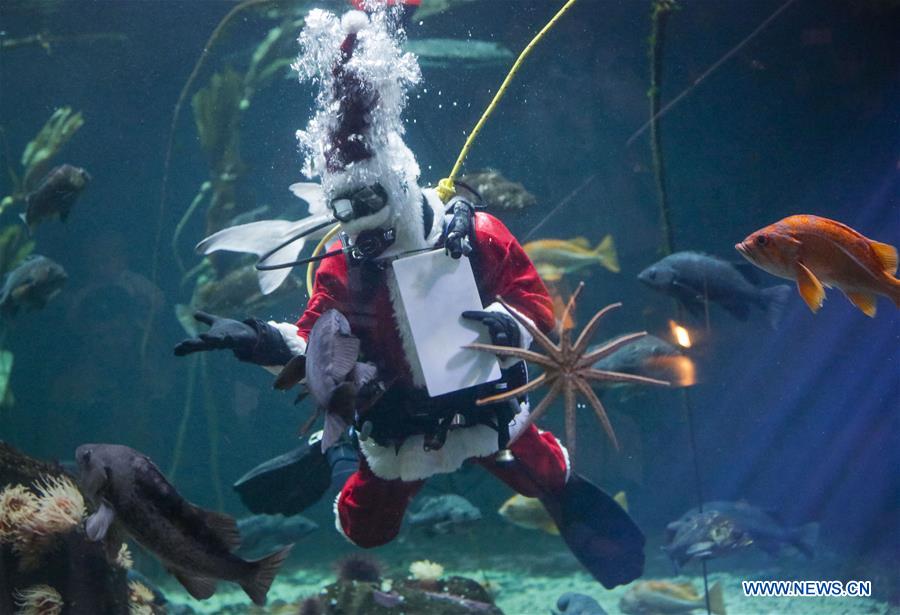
659, 17
217, 117
61, 127
15, 245
218, 108
40, 152
6, 365
46, 41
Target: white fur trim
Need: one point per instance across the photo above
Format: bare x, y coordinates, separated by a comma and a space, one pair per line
337, 520
413, 462
525, 337
437, 207
565, 453
354, 21
517, 424
295, 343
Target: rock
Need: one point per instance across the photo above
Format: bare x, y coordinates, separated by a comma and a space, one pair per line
572, 603
78, 569
451, 596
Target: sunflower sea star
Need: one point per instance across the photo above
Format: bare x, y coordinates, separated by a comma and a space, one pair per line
568, 368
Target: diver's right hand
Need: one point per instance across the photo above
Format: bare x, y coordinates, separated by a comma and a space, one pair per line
223, 334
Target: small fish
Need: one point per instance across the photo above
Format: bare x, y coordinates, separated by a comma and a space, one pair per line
270, 532
694, 278
444, 514
660, 597
458, 53
237, 292
530, 514
34, 282
571, 603
652, 357
817, 252
55, 195
333, 376
194, 544
724, 528
554, 258
497, 192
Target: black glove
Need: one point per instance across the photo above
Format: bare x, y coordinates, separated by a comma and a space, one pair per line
502, 328
460, 228
252, 341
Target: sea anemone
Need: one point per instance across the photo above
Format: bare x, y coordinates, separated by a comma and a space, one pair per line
60, 506
57, 509
38, 600
17, 504
356, 567
123, 558
140, 599
426, 571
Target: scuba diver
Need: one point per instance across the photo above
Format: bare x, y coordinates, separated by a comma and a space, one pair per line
402, 436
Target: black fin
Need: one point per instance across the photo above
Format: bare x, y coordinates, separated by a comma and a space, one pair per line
806, 538
748, 270
598, 531
741, 311
265, 570
287, 484
695, 307
344, 352
199, 588
223, 526
292, 373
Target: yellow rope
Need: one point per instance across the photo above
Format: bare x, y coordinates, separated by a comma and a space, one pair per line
310, 269
445, 187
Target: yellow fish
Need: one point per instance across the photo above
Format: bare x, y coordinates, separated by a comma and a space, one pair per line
666, 597
530, 514
554, 258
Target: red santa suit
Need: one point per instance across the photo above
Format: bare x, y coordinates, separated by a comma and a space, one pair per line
370, 508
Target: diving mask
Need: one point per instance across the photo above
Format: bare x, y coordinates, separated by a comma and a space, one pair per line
359, 203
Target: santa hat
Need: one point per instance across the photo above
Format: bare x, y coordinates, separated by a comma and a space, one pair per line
355, 139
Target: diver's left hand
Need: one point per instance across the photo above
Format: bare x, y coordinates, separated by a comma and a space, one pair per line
504, 331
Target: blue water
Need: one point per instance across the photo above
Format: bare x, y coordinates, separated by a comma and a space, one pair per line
804, 420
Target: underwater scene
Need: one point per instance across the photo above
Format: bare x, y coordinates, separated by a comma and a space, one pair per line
336, 307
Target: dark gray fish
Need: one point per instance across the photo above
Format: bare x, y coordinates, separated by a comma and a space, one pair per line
443, 514
55, 195
32, 284
193, 544
269, 532
724, 528
572, 603
695, 278
651, 357
333, 376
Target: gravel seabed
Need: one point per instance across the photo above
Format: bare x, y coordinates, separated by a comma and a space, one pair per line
531, 584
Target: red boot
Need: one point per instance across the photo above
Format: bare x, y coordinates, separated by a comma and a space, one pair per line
369, 510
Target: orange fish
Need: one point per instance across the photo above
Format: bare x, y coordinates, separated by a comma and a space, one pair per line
819, 252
